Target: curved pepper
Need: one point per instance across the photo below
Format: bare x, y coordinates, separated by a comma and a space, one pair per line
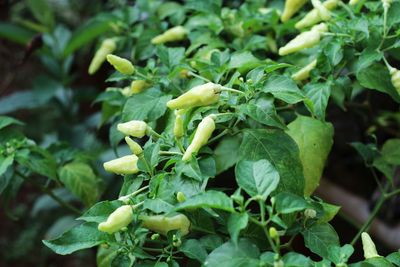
291, 7
174, 34
117, 220
201, 95
162, 224
122, 65
313, 17
304, 72
123, 165
107, 47
304, 40
133, 128
203, 133
178, 125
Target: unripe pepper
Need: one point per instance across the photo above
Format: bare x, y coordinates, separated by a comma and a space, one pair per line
322, 10
138, 86
117, 220
203, 133
313, 17
368, 246
133, 146
107, 47
304, 40
174, 34
201, 95
291, 7
162, 224
178, 125
395, 77
133, 128
180, 197
353, 2
304, 72
122, 65
123, 165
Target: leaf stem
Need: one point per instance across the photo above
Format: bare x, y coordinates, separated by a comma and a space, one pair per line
224, 88
191, 73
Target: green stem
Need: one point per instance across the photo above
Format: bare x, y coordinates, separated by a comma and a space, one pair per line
262, 211
169, 153
50, 193
223, 88
191, 73
126, 197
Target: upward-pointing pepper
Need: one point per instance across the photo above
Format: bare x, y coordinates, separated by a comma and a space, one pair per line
203, 133
304, 40
201, 95
368, 246
107, 47
395, 77
291, 7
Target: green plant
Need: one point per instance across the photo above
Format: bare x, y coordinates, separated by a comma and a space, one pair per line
229, 148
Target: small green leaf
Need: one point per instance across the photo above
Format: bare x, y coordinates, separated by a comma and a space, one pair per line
100, 211
264, 115
226, 153
288, 203
80, 237
5, 121
257, 178
194, 249
318, 94
283, 88
391, 151
157, 205
237, 222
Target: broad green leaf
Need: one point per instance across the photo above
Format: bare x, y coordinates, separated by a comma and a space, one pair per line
244, 254
226, 153
100, 211
194, 249
283, 88
41, 11
286, 202
330, 212
280, 150
122, 260
334, 52
314, 139
205, 6
170, 57
237, 222
39, 161
5, 121
80, 179
393, 16
208, 199
5, 162
105, 254
367, 58
318, 95
394, 258
319, 238
148, 105
377, 77
379, 262
257, 178
391, 151
80, 237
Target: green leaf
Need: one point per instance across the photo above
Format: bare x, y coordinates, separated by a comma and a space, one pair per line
87, 32
379, 262
157, 205
41, 11
208, 199
286, 202
393, 15
105, 255
367, 58
257, 178
5, 162
170, 56
5, 121
148, 105
394, 258
205, 6
15, 33
334, 52
391, 151
314, 139
293, 259
377, 77
318, 95
80, 179
319, 238
226, 153
243, 61
237, 222
194, 249
283, 88
330, 212
80, 237
244, 254
100, 211
262, 114
39, 161
122, 260
280, 150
